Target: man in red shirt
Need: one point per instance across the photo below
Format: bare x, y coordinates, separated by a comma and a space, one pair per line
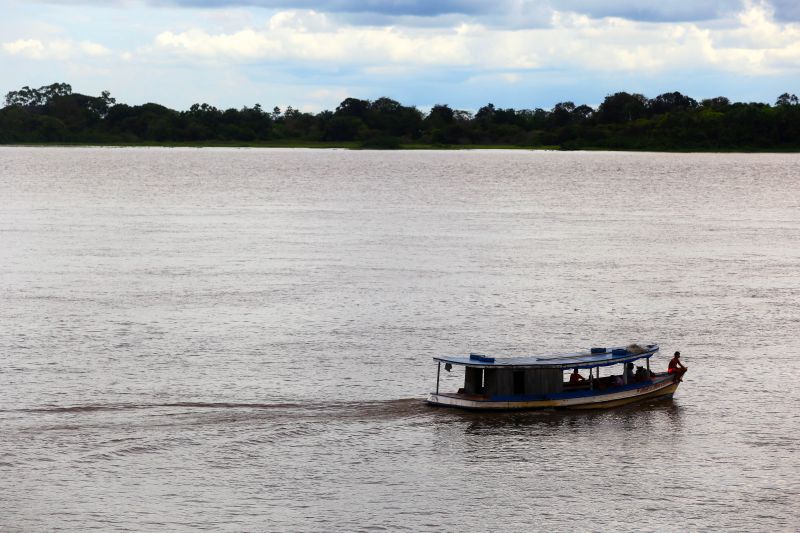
575, 377
676, 367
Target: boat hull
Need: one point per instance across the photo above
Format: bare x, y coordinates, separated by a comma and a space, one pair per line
659, 387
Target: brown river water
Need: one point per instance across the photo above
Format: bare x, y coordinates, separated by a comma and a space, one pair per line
241, 339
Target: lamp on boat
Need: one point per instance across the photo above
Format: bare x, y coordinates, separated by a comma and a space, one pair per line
448, 366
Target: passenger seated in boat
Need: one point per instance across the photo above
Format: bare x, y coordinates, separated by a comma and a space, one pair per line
675, 366
575, 377
629, 375
641, 374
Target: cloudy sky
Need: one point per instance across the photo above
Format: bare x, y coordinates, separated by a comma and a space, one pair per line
313, 53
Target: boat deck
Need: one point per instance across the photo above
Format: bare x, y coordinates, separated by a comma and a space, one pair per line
571, 392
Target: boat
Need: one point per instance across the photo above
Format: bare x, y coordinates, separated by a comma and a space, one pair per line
538, 382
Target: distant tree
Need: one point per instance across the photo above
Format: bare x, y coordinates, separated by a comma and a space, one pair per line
561, 114
202, 109
582, 113
54, 113
786, 99
324, 116
255, 122
28, 97
486, 113
445, 125
462, 116
669, 103
291, 113
299, 125
534, 119
622, 107
391, 118
439, 116
383, 113
104, 103
719, 103
384, 105
506, 116
343, 128
353, 107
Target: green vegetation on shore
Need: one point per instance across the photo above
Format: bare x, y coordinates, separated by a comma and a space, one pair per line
669, 122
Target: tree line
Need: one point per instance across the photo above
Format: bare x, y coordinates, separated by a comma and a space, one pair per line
627, 121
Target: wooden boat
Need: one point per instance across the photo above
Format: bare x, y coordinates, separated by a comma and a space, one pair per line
538, 382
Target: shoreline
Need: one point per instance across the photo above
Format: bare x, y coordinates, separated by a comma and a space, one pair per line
402, 147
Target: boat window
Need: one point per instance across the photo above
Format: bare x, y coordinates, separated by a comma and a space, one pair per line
519, 382
473, 380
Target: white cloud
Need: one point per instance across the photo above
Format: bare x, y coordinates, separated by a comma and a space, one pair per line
59, 49
310, 37
244, 44
496, 78
94, 49
300, 21
30, 48
752, 42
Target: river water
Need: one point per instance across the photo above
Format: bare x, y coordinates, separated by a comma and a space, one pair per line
241, 339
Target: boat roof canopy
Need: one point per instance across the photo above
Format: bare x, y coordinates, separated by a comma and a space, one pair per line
591, 359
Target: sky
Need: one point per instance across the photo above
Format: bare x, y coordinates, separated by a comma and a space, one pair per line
311, 54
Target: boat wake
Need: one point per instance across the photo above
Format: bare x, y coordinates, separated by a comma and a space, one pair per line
378, 408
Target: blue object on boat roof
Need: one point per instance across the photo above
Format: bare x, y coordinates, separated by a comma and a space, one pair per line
563, 361
598, 350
